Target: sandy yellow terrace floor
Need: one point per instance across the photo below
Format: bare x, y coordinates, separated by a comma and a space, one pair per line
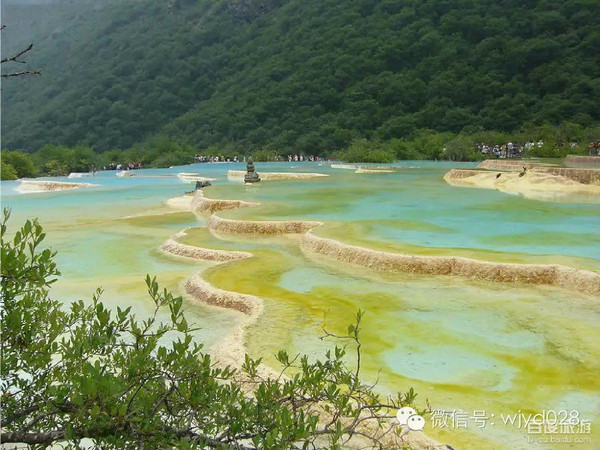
462, 344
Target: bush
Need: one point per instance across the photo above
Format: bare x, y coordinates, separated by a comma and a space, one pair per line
21, 163
57, 160
264, 155
462, 149
8, 172
177, 158
362, 150
160, 151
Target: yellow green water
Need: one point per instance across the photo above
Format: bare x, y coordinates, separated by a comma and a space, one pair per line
462, 344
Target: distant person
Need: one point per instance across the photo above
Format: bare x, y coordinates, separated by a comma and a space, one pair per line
503, 151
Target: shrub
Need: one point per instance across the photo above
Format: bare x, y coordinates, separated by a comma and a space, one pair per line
8, 172
21, 163
264, 155
362, 150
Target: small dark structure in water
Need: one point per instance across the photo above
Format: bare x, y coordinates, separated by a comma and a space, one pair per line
202, 184
251, 176
199, 185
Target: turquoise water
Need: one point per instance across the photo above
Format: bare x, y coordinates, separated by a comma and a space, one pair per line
442, 216
462, 344
417, 207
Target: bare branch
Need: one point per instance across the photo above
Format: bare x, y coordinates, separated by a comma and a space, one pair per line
18, 55
18, 74
15, 58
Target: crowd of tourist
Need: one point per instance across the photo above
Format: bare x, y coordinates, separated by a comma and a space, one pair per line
513, 150
216, 158
290, 158
123, 166
508, 150
296, 157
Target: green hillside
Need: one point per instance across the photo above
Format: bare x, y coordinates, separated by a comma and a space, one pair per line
299, 75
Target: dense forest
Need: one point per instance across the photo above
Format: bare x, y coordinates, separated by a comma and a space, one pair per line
309, 76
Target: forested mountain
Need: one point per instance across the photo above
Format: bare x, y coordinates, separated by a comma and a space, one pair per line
304, 75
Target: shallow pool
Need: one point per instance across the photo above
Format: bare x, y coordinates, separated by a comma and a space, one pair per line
463, 344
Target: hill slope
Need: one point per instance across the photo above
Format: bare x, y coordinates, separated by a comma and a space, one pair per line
298, 74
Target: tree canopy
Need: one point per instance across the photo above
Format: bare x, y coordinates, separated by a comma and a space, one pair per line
292, 75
